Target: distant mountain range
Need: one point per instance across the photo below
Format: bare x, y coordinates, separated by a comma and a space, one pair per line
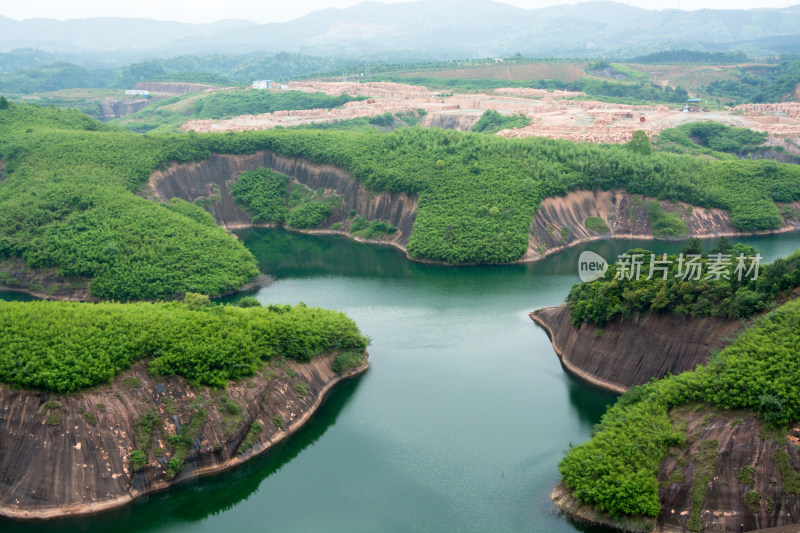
435, 28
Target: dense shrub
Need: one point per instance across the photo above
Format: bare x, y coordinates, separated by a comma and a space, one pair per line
608, 298
67, 346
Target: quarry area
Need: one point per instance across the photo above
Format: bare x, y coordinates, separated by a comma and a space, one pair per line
554, 114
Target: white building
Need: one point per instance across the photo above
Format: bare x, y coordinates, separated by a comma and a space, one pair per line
262, 84
137, 91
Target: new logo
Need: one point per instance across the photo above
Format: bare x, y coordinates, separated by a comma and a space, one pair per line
591, 266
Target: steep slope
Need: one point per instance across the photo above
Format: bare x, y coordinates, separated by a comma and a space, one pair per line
66, 455
629, 352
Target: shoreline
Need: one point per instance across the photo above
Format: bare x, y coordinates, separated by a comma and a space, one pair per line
571, 368
55, 513
522, 260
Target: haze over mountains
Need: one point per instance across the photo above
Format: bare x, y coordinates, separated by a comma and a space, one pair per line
437, 28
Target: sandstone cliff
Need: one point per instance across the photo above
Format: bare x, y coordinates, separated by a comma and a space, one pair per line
561, 222
630, 352
110, 108
63, 455
213, 178
749, 486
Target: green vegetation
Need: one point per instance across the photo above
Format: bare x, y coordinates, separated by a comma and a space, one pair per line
309, 209
263, 194
53, 417
692, 56
616, 471
747, 476
184, 442
138, 460
477, 195
168, 114
703, 460
596, 224
169, 405
684, 294
711, 138
232, 414
196, 213
362, 227
759, 83
491, 122
248, 301
67, 202
665, 225
640, 143
753, 500
301, 388
90, 419
790, 478
252, 434
347, 360
131, 382
66, 346
278, 421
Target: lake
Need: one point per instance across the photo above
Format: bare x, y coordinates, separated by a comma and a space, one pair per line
458, 425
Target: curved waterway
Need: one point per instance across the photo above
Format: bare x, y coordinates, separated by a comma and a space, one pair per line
458, 425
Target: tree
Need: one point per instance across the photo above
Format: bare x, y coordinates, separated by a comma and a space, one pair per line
723, 246
249, 301
3, 102
640, 143
694, 246
196, 301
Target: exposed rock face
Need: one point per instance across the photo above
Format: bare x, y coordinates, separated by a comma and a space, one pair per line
42, 283
173, 88
723, 442
626, 216
738, 438
450, 120
214, 177
75, 458
631, 352
115, 108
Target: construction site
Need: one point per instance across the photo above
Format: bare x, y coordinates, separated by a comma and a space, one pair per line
553, 114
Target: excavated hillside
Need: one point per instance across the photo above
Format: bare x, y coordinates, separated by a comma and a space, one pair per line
66, 455
628, 352
213, 178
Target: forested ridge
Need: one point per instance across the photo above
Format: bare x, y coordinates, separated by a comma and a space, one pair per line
67, 197
66, 346
66, 201
732, 294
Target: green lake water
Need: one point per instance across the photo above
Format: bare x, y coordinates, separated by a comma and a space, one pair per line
458, 425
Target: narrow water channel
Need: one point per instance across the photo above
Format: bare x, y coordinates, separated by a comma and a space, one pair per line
458, 425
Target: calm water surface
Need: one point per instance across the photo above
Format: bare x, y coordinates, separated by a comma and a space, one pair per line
458, 425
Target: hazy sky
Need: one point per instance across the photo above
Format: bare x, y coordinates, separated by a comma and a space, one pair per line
280, 10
